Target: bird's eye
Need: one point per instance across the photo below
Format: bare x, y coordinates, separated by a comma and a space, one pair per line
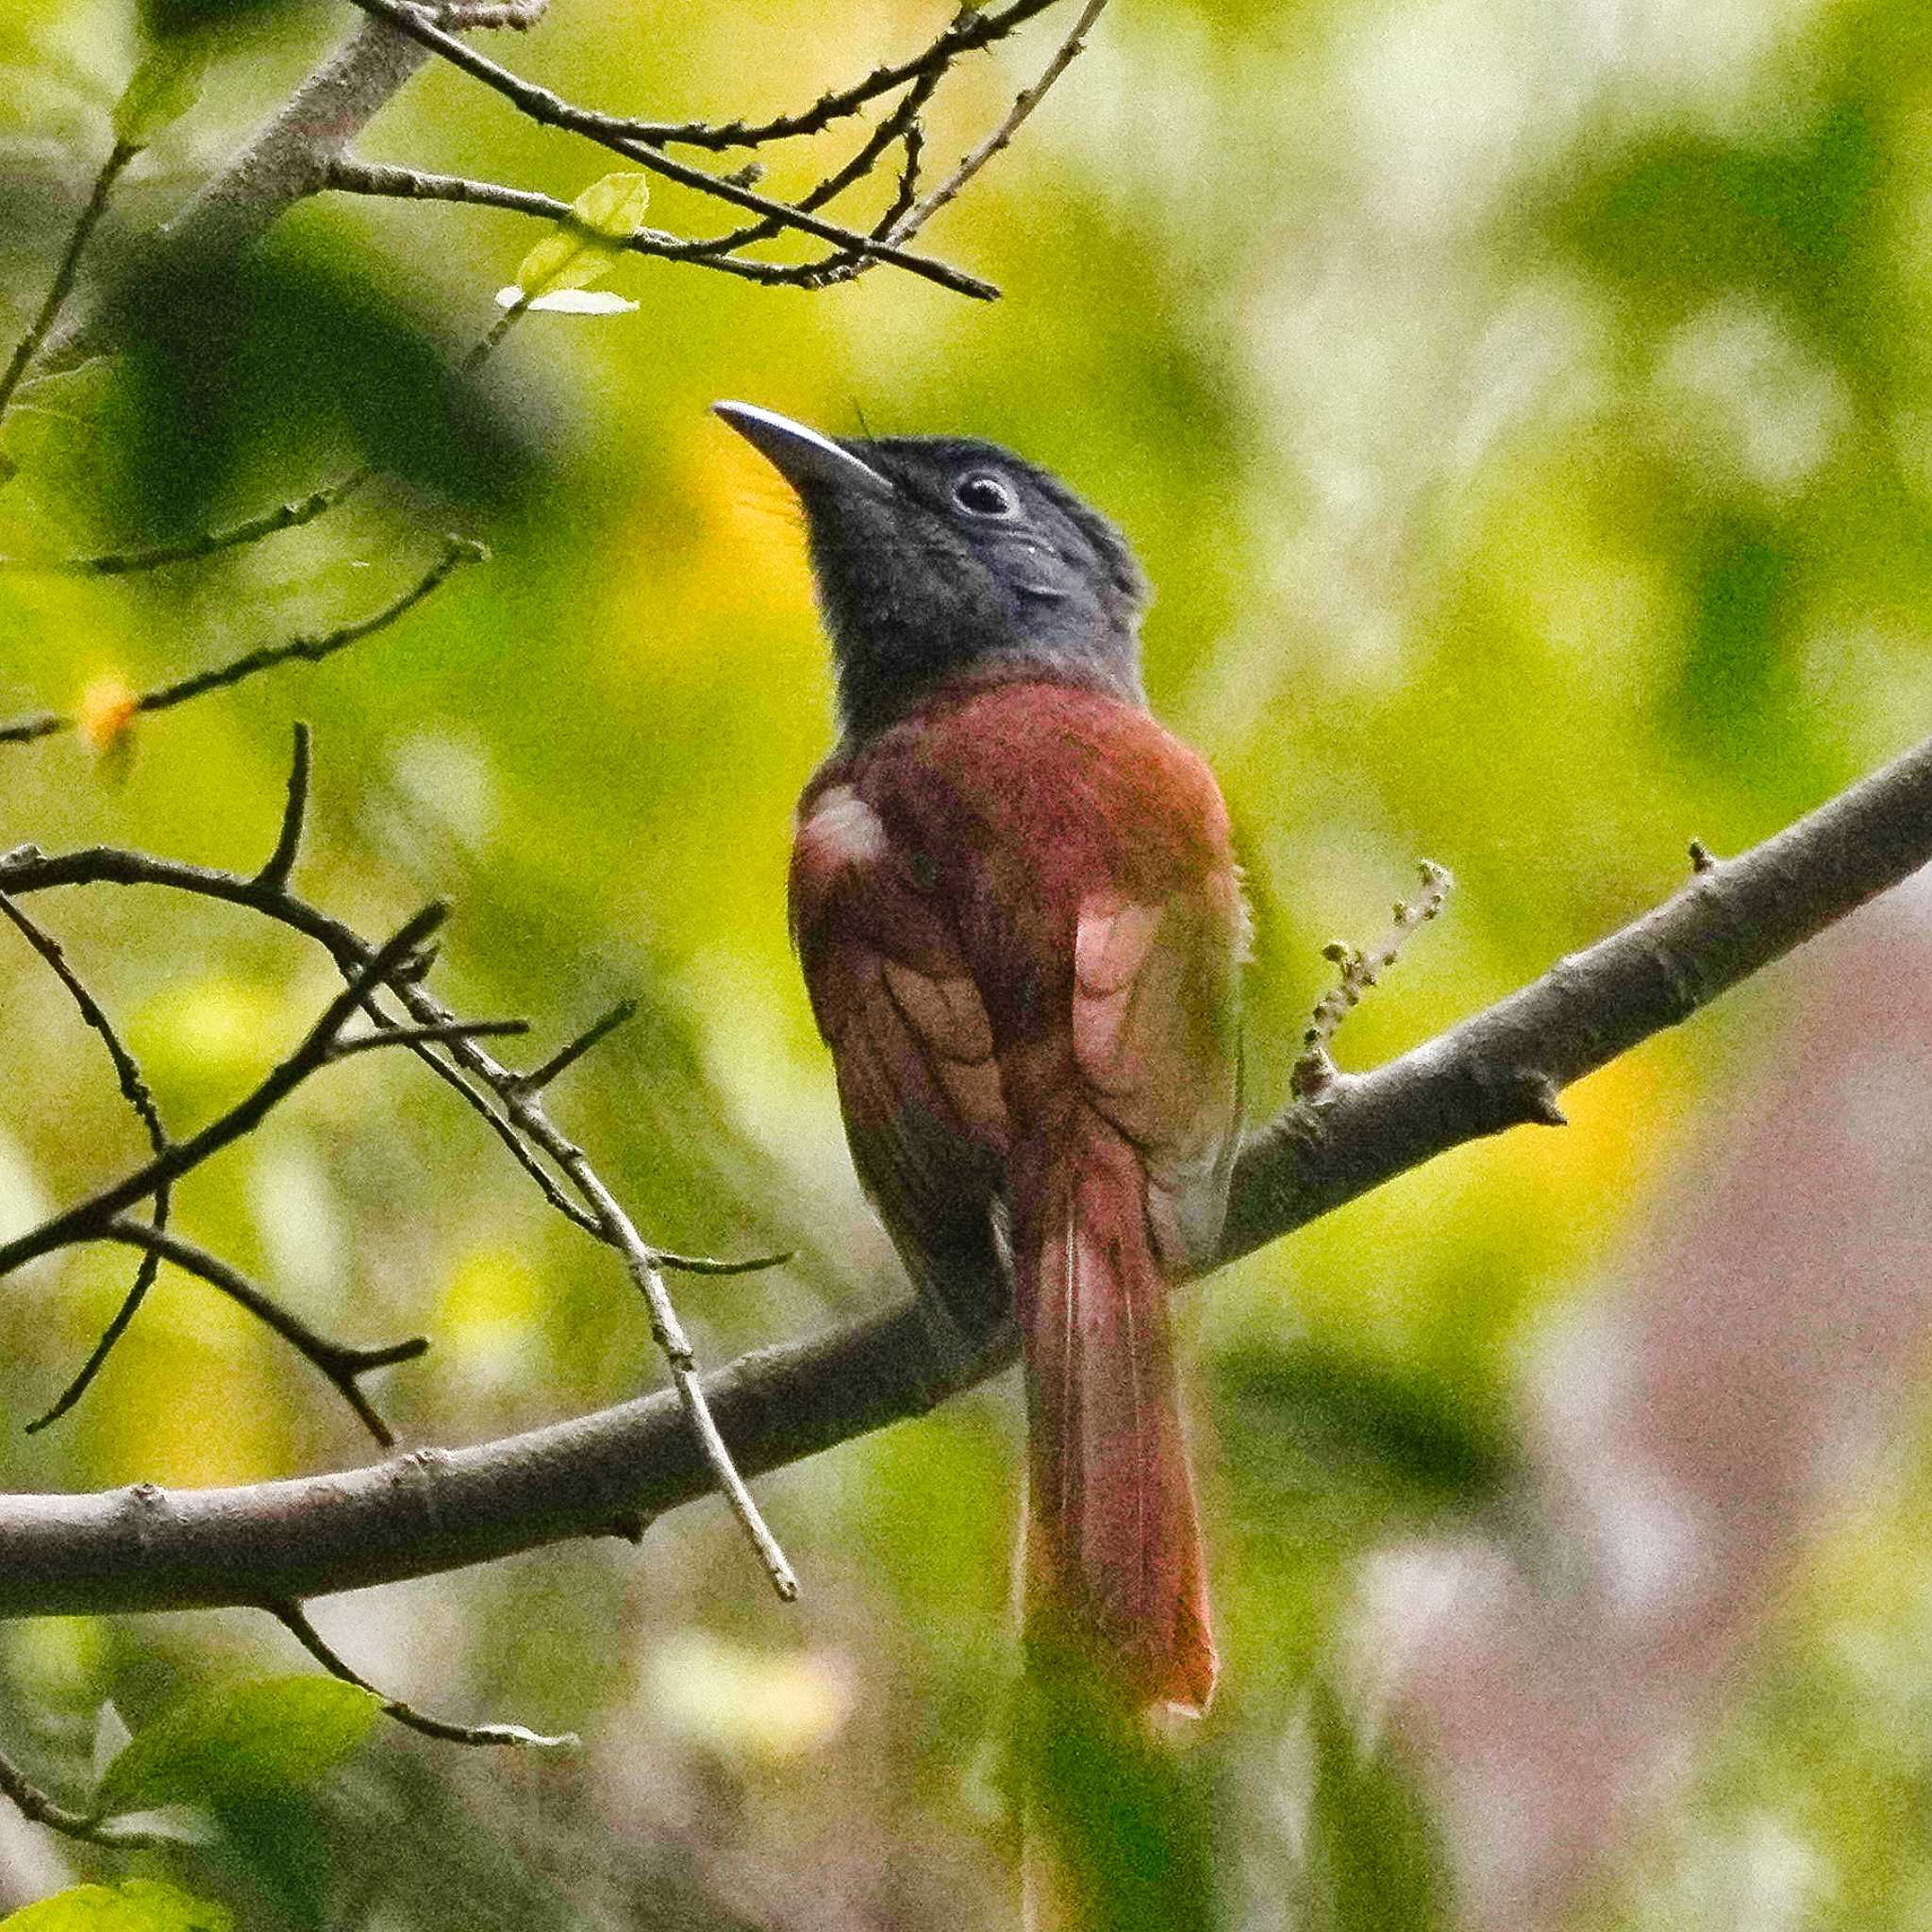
983, 496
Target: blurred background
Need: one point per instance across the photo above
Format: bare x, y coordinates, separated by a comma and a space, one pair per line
1524, 413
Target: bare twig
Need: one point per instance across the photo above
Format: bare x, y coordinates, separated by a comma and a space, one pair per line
1064, 57
641, 1261
34, 1803
705, 1264
140, 1098
343, 1364
549, 109
295, 1622
90, 1219
437, 1510
437, 1030
273, 874
31, 343
899, 125
970, 29
307, 649
573, 1051
285, 516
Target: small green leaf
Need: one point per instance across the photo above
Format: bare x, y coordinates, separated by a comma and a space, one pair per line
139, 1904
164, 86
237, 1740
578, 252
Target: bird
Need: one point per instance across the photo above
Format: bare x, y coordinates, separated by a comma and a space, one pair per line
1016, 904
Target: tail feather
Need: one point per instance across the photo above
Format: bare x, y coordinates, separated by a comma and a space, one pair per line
1115, 1569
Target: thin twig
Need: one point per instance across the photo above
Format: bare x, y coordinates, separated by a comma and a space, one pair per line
62, 286
969, 30
275, 872
1064, 57
906, 192
706, 1264
88, 1219
284, 516
294, 1620
415, 184
269, 523
897, 126
549, 109
342, 1364
676, 1349
573, 1051
308, 649
36, 1805
436, 1030
139, 1096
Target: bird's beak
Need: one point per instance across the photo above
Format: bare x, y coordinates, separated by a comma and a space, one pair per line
800, 455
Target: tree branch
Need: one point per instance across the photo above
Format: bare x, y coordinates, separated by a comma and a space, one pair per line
914, 219
970, 29
42, 1809
142, 1549
342, 1364
139, 1096
305, 648
294, 1620
282, 166
30, 343
548, 109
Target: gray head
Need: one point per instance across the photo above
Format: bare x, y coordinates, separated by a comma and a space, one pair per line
939, 555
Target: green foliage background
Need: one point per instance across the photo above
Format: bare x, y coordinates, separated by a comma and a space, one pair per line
1524, 412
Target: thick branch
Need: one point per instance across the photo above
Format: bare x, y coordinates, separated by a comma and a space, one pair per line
142, 1549
279, 167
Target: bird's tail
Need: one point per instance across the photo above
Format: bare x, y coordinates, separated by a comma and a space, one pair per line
1116, 1575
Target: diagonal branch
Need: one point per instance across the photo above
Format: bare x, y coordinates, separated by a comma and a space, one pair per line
970, 29
61, 287
548, 109
915, 219
281, 165
308, 648
93, 1217
294, 1620
41, 1808
434, 1511
343, 1364
140, 1098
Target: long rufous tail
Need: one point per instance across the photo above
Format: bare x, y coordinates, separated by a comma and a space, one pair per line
1116, 1575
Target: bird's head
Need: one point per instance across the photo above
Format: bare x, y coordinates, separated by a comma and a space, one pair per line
937, 555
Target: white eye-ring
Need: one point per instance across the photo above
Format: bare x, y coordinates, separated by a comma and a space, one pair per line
983, 495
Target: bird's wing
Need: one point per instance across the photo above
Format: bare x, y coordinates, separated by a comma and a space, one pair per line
1155, 1040
925, 1114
